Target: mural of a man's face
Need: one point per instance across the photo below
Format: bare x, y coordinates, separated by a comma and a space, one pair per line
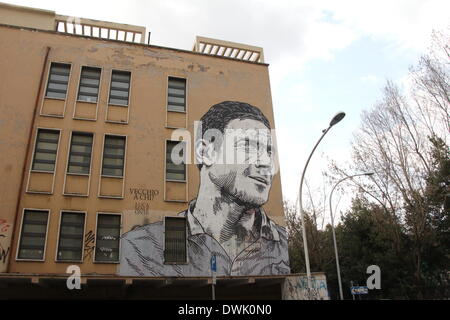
247, 174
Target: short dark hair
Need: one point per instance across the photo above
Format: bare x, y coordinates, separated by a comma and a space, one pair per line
221, 114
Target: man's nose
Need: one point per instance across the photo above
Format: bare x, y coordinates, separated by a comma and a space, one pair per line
264, 159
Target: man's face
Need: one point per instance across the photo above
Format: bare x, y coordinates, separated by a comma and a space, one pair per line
244, 162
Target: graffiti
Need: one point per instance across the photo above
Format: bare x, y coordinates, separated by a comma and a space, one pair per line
89, 247
3, 253
4, 226
144, 194
5, 229
296, 288
143, 208
226, 218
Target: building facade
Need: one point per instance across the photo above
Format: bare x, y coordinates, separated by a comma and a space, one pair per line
91, 118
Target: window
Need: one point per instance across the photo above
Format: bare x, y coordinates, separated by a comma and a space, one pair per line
108, 236
175, 240
89, 84
58, 81
175, 171
45, 150
80, 153
120, 88
32, 237
71, 233
113, 156
176, 95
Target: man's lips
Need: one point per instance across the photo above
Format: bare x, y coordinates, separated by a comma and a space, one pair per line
260, 179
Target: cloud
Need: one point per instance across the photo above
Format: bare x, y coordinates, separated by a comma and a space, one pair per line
370, 78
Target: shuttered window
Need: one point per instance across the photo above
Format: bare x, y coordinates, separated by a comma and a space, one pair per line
89, 84
71, 233
33, 234
175, 171
120, 88
108, 236
176, 95
44, 158
58, 81
113, 156
80, 153
175, 240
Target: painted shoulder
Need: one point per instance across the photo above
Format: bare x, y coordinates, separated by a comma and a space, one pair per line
143, 232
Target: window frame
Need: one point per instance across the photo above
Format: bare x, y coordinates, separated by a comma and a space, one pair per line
19, 240
129, 89
48, 80
99, 85
96, 233
124, 156
165, 162
69, 153
185, 94
186, 262
59, 236
34, 150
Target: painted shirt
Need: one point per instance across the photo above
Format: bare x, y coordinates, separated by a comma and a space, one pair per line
142, 251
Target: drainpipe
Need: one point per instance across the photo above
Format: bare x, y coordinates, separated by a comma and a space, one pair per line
22, 177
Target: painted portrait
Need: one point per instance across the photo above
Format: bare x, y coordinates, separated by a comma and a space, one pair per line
234, 150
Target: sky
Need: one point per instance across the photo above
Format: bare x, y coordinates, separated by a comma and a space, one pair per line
325, 56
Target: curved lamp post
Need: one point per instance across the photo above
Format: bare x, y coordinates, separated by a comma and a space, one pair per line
334, 234
338, 117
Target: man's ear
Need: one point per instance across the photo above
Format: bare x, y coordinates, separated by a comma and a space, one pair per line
204, 152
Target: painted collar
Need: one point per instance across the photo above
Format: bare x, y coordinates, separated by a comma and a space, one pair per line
268, 228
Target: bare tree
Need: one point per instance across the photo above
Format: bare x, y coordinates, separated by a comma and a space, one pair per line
394, 142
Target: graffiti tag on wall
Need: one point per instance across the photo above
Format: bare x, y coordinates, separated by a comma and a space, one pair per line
89, 247
5, 229
141, 197
296, 288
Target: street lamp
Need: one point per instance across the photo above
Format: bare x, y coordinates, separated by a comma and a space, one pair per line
334, 234
338, 117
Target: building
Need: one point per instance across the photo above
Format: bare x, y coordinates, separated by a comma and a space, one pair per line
90, 115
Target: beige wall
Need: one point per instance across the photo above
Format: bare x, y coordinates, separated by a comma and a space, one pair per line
210, 80
27, 17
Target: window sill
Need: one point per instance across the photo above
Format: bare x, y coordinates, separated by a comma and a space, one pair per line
75, 195
106, 262
116, 177
118, 105
171, 180
176, 111
176, 201
60, 99
29, 260
78, 174
110, 197
91, 102
41, 171
68, 261
176, 263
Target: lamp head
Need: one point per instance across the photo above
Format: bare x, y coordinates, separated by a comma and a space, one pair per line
338, 117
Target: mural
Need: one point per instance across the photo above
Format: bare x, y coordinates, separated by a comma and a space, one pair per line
296, 288
226, 218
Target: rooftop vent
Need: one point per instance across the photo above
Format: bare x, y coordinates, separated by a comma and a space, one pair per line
228, 49
100, 29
